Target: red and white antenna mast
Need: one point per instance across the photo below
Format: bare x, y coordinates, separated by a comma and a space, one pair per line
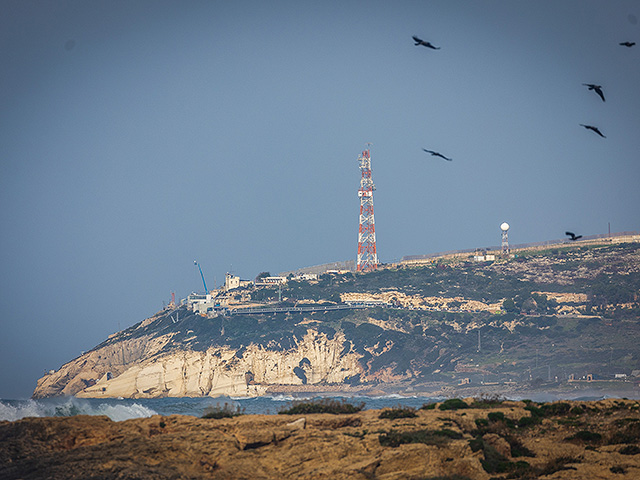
367, 254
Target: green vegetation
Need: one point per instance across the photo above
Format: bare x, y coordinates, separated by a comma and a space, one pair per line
630, 450
224, 411
428, 437
557, 464
323, 405
453, 404
398, 412
529, 339
586, 436
488, 401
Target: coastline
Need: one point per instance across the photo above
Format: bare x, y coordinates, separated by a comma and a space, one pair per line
483, 440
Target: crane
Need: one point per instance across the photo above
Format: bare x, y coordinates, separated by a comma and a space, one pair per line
201, 274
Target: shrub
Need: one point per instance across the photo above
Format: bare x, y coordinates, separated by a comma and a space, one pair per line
445, 432
555, 409
482, 423
630, 450
557, 464
586, 436
225, 411
629, 431
535, 411
428, 406
617, 469
323, 405
576, 410
487, 401
524, 422
518, 449
476, 444
398, 412
496, 417
428, 437
453, 404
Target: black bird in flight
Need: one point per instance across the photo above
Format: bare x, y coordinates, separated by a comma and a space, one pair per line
573, 236
595, 129
595, 88
627, 44
423, 43
436, 154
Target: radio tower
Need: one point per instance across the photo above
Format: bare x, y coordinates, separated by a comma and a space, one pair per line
367, 255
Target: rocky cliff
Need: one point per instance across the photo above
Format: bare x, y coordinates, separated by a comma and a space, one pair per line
169, 364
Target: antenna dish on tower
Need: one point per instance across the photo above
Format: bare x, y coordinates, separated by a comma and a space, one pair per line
504, 227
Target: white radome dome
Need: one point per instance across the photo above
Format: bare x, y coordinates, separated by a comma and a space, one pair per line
504, 227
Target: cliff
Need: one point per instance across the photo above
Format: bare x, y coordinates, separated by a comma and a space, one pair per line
147, 366
483, 440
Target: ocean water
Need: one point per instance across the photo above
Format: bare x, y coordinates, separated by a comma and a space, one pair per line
124, 409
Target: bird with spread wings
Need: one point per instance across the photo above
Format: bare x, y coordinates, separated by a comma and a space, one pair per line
593, 129
437, 154
423, 43
595, 88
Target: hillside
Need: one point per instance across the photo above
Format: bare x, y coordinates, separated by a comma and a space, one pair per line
543, 320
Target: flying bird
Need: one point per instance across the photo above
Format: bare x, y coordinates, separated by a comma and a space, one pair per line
436, 154
627, 44
423, 43
595, 88
595, 129
573, 236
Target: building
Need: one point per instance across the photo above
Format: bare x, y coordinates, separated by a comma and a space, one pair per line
271, 281
231, 282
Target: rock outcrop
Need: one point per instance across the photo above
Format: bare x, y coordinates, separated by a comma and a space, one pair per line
577, 440
152, 371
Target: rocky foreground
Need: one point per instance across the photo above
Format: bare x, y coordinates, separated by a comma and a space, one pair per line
474, 439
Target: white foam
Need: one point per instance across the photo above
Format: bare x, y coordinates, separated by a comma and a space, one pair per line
13, 410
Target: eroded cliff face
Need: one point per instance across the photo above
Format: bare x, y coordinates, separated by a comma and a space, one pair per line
140, 368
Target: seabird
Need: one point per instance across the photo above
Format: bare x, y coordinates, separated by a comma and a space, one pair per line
436, 154
595, 88
423, 43
573, 236
595, 129
627, 44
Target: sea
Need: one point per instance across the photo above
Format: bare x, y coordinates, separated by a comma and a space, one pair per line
125, 409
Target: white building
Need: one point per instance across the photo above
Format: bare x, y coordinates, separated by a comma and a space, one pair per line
231, 282
271, 281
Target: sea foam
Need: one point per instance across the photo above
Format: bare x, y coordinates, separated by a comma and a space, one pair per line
13, 410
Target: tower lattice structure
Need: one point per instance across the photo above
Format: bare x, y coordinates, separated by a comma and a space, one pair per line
505, 242
367, 254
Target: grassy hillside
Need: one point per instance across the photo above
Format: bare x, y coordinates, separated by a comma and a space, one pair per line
563, 312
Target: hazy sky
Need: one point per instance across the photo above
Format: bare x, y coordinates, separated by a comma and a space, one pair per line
137, 136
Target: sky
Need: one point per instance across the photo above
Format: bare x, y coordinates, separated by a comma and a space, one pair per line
137, 137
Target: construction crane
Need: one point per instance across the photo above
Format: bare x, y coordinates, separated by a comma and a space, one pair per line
201, 274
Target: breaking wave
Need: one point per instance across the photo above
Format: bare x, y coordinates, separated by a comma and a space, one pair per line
116, 410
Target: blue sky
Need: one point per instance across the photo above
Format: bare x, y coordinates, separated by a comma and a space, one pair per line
138, 136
